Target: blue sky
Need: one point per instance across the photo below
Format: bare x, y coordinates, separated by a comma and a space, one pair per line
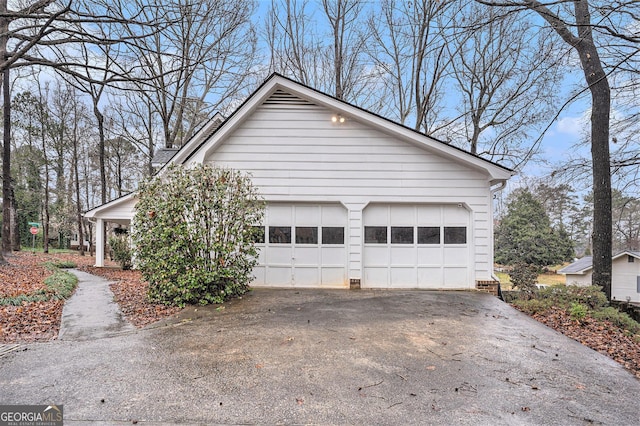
560, 139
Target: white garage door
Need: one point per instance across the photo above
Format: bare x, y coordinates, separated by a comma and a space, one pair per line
303, 246
408, 246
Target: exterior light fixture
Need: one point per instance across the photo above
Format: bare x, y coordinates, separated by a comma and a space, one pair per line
338, 119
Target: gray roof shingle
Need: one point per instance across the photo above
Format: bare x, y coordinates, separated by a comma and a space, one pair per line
578, 266
162, 156
584, 264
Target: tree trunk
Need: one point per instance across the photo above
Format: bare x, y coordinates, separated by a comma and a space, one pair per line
598, 84
6, 149
45, 213
600, 114
6, 165
101, 152
76, 176
15, 225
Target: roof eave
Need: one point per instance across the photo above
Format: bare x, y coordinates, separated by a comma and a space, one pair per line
496, 172
92, 214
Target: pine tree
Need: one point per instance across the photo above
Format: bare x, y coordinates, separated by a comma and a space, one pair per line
525, 235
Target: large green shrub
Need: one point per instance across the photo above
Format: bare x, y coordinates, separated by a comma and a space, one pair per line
580, 303
524, 277
192, 234
525, 235
121, 250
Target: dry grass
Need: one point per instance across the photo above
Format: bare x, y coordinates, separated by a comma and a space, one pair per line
549, 278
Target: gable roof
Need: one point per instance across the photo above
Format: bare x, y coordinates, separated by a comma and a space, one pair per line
277, 85
162, 156
580, 266
584, 265
279, 88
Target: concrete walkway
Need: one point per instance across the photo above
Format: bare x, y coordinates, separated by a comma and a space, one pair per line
91, 313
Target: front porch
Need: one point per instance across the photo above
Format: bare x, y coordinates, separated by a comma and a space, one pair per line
119, 211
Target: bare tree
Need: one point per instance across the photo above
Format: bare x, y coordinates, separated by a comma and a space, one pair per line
293, 42
195, 66
32, 34
348, 46
626, 221
43, 123
506, 71
409, 49
322, 44
572, 21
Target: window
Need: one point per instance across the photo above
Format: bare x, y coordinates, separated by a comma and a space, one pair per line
402, 235
455, 234
332, 235
306, 235
375, 234
257, 234
630, 259
280, 234
428, 235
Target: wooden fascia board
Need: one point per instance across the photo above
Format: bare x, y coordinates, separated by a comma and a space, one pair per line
627, 253
97, 212
194, 143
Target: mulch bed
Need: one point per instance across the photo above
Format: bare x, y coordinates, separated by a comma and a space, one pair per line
40, 321
602, 336
25, 274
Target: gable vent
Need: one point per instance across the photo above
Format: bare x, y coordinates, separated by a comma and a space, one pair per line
281, 97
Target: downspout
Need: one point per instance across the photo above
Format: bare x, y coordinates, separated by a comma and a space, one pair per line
494, 190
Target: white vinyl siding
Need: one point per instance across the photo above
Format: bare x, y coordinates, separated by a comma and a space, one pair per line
301, 155
581, 280
624, 279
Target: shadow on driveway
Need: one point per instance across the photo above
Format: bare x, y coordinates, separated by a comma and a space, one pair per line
330, 357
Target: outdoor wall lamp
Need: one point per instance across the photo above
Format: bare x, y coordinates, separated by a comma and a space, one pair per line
338, 119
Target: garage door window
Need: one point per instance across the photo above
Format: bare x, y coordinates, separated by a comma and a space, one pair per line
428, 235
455, 234
332, 235
257, 234
306, 235
402, 235
375, 234
280, 234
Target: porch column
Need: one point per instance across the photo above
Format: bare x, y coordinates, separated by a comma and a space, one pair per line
99, 242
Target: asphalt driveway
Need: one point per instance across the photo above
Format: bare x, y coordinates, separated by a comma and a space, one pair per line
329, 357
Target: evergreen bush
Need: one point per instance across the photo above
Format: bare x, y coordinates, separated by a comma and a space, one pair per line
121, 250
193, 234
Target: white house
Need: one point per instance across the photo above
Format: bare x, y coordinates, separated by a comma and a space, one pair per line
625, 275
352, 198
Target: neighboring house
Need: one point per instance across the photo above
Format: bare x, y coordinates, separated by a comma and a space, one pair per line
74, 243
352, 198
625, 276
